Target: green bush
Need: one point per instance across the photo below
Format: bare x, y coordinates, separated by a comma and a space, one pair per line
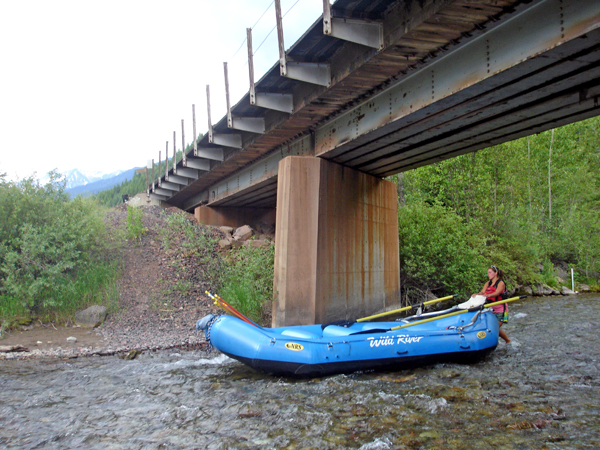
54, 253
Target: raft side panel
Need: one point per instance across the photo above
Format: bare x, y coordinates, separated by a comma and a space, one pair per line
287, 368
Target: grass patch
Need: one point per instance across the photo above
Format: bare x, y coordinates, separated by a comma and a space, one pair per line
135, 229
248, 301
247, 281
94, 285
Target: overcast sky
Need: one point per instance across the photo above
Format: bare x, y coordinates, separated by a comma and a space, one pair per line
102, 85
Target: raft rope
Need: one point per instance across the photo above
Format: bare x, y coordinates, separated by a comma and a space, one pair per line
209, 345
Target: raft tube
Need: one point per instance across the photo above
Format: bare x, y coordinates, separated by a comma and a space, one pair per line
315, 350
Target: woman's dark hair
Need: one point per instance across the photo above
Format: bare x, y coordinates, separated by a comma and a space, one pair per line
498, 271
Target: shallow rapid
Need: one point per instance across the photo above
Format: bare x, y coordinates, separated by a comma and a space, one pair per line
540, 391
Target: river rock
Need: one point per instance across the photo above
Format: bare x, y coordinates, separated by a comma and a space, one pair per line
13, 348
224, 244
566, 291
584, 288
227, 230
542, 289
131, 354
91, 317
524, 290
243, 233
71, 339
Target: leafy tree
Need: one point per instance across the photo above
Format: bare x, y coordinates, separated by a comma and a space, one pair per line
503, 194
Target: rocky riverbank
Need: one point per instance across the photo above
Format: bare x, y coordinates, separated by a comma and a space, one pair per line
161, 295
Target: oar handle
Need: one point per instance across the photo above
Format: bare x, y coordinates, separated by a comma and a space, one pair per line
229, 310
431, 319
501, 302
456, 313
405, 308
227, 307
247, 319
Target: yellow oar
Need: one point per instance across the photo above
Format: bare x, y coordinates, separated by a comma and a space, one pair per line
456, 313
406, 308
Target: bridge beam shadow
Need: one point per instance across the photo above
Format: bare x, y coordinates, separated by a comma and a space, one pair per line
235, 217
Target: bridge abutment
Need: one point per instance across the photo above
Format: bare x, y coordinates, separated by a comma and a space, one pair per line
336, 243
234, 216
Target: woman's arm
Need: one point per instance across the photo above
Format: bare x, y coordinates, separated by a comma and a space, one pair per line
482, 291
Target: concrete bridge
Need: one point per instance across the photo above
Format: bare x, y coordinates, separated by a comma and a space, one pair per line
372, 89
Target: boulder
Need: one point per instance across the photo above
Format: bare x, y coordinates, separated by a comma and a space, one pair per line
542, 289
243, 233
566, 291
227, 230
225, 244
71, 339
524, 290
584, 288
91, 317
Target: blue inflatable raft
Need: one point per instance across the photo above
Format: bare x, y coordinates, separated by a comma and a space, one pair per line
316, 350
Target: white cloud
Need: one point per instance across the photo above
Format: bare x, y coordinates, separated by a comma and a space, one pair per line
102, 85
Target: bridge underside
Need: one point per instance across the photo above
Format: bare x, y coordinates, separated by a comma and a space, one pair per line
511, 80
452, 77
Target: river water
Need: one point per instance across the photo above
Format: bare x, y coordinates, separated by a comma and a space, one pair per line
541, 391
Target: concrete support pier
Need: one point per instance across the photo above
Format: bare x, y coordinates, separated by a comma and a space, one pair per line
336, 243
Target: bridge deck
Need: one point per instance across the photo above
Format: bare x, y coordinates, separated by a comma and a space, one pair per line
425, 96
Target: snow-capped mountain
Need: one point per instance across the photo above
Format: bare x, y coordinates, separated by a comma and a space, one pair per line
106, 182
76, 177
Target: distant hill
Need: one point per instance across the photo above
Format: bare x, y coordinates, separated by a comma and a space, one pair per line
114, 195
102, 184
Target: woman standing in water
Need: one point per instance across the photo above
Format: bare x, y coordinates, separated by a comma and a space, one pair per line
492, 290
